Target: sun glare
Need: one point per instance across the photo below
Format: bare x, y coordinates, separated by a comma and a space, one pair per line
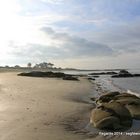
14, 27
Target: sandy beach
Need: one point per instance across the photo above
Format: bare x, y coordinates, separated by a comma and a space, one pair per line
50, 108
41, 108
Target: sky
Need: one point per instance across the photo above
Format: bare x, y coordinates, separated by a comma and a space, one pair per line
86, 34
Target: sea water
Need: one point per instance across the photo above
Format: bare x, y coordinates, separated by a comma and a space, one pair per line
130, 85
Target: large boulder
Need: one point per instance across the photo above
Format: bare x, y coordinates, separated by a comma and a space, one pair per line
107, 97
103, 119
134, 109
126, 98
130, 101
123, 73
115, 111
121, 112
111, 116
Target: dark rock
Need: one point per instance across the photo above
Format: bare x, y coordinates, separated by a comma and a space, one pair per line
93, 98
107, 97
58, 75
49, 74
96, 76
122, 76
104, 73
124, 73
70, 78
111, 73
90, 78
137, 75
42, 74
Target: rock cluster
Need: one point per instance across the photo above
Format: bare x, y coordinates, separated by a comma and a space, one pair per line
49, 74
104, 73
121, 73
115, 111
125, 73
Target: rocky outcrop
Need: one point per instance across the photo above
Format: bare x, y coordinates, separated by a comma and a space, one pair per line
106, 97
104, 73
124, 73
91, 78
70, 78
49, 74
115, 111
43, 74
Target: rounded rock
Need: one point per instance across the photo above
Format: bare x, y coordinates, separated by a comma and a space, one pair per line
111, 116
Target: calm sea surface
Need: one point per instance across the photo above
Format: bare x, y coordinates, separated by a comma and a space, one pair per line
115, 84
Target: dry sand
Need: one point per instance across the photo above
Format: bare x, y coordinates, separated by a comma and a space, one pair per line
39, 108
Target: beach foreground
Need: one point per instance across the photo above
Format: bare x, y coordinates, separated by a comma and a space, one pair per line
50, 108
37, 108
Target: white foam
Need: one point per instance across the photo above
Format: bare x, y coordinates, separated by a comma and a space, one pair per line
133, 93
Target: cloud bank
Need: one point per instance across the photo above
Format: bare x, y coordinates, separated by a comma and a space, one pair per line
94, 33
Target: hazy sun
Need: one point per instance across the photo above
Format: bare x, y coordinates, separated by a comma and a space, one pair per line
13, 26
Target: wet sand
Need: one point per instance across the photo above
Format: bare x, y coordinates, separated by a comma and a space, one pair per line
42, 108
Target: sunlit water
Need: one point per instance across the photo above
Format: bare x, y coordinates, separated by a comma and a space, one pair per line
115, 84
131, 85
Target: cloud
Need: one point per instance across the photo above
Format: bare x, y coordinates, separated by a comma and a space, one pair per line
64, 46
123, 38
76, 46
53, 1
74, 30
